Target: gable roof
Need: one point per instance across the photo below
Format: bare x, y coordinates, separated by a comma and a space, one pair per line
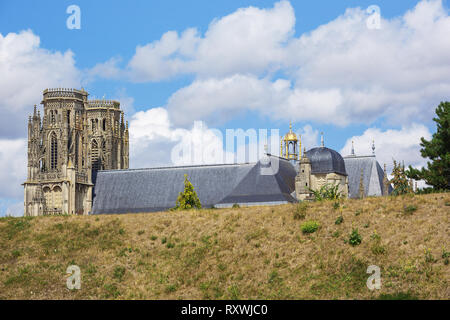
156, 189
372, 175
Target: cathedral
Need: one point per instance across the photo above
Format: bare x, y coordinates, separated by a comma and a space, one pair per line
73, 139
78, 164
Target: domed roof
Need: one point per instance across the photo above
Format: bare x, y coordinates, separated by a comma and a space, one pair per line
325, 160
290, 136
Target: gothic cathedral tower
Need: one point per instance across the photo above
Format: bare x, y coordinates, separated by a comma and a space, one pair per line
74, 138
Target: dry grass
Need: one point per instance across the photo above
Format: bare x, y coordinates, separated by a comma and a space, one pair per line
242, 253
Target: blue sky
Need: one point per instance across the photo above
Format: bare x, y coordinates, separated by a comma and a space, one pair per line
385, 107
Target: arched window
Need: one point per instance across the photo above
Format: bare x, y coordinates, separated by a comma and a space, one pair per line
53, 151
77, 138
82, 152
104, 124
95, 161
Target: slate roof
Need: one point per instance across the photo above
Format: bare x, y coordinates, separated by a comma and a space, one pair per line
156, 189
325, 160
372, 175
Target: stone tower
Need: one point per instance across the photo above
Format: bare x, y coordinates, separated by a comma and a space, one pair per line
74, 138
303, 178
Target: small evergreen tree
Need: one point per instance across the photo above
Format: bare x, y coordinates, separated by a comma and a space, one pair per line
187, 199
437, 174
400, 181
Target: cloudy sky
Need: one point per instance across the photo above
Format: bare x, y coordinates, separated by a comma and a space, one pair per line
189, 70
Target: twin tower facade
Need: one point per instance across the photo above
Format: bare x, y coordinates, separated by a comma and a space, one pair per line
73, 139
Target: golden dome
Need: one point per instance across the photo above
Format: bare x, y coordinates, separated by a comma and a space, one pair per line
290, 136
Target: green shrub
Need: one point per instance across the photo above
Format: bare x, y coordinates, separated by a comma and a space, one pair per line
377, 248
153, 238
234, 292
309, 226
300, 211
236, 206
111, 291
16, 253
171, 288
170, 245
141, 232
328, 191
429, 256
336, 205
187, 199
119, 272
376, 236
339, 220
355, 238
274, 277
408, 210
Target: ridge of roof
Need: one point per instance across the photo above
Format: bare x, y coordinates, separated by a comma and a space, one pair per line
180, 167
190, 166
355, 156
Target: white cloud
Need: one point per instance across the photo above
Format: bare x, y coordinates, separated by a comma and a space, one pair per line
309, 137
248, 40
126, 102
153, 137
399, 71
401, 145
340, 73
218, 100
26, 70
15, 210
13, 162
108, 69
154, 141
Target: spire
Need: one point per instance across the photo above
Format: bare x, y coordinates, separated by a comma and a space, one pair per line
290, 126
304, 154
321, 140
373, 147
353, 149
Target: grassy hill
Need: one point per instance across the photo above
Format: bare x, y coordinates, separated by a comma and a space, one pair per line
239, 253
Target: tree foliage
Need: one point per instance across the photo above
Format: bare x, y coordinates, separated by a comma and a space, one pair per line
437, 173
187, 199
400, 180
328, 191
